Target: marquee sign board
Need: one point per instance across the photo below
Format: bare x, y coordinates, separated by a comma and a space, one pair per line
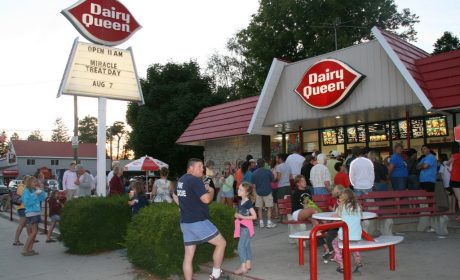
327, 83
99, 71
105, 22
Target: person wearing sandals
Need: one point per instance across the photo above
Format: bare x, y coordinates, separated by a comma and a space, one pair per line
193, 197
32, 196
22, 215
55, 206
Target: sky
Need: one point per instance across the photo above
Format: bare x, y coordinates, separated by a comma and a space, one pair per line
36, 40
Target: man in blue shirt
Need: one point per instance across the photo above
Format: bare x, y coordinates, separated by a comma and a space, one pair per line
193, 198
263, 178
397, 169
428, 167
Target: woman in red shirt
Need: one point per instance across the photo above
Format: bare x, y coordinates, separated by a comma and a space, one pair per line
455, 175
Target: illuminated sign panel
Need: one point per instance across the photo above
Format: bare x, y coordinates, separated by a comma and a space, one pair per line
327, 83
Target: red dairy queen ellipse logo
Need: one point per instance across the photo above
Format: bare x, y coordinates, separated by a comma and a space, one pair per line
327, 83
106, 22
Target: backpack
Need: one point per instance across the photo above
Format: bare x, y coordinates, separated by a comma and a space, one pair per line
16, 199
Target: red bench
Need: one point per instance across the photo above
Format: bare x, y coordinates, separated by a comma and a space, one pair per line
389, 205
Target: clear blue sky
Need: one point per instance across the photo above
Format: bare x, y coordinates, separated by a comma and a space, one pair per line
36, 41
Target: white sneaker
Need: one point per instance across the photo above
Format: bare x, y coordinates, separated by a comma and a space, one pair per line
261, 224
271, 225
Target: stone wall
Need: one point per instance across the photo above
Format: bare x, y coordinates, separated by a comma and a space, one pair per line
232, 149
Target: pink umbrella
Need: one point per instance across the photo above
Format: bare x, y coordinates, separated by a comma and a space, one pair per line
145, 163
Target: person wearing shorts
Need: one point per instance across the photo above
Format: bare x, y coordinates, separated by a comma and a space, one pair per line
283, 176
193, 197
263, 178
32, 197
22, 216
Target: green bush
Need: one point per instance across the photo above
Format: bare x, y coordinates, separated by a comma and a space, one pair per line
154, 239
94, 224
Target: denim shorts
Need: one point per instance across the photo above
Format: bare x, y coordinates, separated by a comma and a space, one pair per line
198, 232
33, 220
55, 218
22, 212
228, 194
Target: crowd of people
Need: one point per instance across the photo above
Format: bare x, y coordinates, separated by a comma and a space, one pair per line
253, 187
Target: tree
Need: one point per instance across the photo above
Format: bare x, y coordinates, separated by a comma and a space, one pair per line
174, 94
87, 130
60, 132
15, 136
116, 129
297, 29
446, 43
35, 135
3, 144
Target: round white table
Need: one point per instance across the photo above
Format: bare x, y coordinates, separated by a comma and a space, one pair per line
332, 216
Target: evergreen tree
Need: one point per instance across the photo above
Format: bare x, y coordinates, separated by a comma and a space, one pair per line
87, 130
60, 132
446, 43
35, 135
15, 136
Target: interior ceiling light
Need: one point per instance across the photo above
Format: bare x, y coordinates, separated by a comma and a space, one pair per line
337, 117
359, 121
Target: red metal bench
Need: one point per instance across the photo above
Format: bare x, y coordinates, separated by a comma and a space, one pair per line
403, 205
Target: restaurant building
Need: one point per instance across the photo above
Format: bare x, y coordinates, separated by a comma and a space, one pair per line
374, 94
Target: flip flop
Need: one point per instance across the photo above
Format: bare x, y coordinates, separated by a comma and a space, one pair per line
18, 243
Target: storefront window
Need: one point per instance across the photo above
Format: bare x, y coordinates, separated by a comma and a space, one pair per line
310, 141
276, 145
293, 143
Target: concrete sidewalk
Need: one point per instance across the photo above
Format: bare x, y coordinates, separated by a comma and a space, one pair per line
420, 256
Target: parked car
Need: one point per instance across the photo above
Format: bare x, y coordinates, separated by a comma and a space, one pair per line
14, 183
51, 185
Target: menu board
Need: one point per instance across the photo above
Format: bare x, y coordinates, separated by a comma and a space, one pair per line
417, 128
394, 131
352, 134
379, 132
361, 129
402, 128
436, 126
340, 135
329, 136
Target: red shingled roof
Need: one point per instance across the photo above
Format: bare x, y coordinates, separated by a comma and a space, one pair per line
438, 76
441, 74
224, 120
24, 148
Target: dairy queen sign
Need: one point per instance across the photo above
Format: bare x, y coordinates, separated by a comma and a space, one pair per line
105, 22
327, 83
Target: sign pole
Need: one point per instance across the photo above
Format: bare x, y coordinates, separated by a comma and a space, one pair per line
101, 162
75, 129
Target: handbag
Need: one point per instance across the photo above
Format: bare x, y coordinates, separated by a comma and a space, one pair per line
16, 199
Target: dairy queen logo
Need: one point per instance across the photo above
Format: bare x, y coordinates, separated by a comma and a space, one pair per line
327, 83
105, 22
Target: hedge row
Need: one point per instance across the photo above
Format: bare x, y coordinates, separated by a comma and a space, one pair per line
94, 224
153, 238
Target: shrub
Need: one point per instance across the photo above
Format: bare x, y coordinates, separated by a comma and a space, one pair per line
94, 224
154, 239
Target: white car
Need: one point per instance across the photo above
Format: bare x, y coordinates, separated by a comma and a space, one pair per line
51, 185
14, 183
